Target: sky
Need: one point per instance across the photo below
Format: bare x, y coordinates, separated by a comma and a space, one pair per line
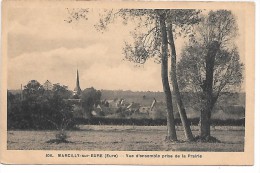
42, 46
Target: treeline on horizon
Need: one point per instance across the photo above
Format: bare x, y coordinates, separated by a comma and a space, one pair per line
158, 95
154, 122
42, 109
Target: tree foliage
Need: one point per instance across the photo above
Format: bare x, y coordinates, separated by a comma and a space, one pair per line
147, 42
40, 108
228, 73
217, 26
220, 26
90, 97
210, 65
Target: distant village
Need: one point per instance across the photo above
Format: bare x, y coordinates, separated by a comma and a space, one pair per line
113, 106
137, 104
144, 106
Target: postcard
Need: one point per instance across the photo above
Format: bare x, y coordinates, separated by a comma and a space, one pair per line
127, 83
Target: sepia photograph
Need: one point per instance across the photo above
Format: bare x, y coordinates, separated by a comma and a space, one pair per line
128, 81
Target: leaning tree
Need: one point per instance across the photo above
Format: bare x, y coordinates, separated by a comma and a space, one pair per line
154, 32
210, 65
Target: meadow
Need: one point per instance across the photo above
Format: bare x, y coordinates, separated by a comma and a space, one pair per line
126, 138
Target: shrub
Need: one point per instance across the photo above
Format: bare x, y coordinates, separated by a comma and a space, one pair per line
61, 136
40, 108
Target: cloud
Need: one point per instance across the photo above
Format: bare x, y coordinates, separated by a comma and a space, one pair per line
45, 23
124, 76
42, 46
99, 67
43, 29
21, 43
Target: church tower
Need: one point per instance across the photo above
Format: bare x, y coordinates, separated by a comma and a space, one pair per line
77, 90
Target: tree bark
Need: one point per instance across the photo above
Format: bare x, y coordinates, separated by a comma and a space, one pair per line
171, 131
180, 106
205, 123
208, 91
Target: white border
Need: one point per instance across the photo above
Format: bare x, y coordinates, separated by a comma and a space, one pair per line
152, 169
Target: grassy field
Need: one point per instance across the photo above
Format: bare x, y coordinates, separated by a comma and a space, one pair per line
125, 138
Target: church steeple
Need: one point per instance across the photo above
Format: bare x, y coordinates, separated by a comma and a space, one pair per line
77, 89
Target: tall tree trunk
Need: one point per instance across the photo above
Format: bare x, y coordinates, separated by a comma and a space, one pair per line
208, 91
205, 123
181, 108
171, 131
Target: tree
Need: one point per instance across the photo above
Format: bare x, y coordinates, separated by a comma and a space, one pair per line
40, 108
30, 105
210, 65
32, 90
15, 118
164, 74
56, 109
180, 106
61, 91
151, 41
90, 97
